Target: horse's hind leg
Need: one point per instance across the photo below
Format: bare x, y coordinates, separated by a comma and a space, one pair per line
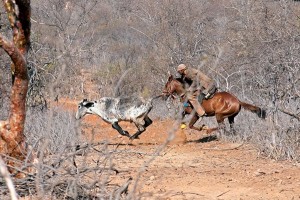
231, 123
221, 125
116, 126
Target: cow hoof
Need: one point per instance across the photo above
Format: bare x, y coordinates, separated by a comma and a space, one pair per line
134, 137
125, 133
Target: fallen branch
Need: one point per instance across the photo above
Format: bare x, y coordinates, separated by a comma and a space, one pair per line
290, 114
226, 149
123, 189
223, 193
186, 193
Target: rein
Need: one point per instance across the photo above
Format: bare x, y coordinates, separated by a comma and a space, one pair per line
174, 94
170, 94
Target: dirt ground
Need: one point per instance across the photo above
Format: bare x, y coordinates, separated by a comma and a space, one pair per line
194, 165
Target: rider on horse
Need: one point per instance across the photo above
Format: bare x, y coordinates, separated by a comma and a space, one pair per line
200, 86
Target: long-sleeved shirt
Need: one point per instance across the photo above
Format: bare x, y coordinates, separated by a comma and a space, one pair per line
199, 80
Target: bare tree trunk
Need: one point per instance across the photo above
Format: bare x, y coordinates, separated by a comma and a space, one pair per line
12, 130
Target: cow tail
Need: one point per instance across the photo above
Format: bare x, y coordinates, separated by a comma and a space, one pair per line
153, 98
156, 97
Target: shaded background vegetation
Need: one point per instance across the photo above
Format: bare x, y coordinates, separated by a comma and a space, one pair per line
95, 48
109, 48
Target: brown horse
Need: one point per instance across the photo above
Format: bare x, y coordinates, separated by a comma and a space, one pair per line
222, 105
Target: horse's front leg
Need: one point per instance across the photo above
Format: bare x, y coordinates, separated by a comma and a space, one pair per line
116, 126
193, 121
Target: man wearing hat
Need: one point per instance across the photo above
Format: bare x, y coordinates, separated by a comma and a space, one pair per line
200, 86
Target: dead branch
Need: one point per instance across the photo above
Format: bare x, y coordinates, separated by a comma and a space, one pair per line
290, 113
225, 149
7, 178
223, 193
123, 189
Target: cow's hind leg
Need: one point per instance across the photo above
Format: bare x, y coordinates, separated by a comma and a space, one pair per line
116, 126
148, 121
141, 129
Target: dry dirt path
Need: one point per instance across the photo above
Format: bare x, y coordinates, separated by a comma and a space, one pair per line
193, 165
196, 169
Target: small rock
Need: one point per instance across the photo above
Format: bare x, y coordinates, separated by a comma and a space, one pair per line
152, 178
259, 173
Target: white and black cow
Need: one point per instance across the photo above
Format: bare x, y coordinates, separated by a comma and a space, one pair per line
113, 110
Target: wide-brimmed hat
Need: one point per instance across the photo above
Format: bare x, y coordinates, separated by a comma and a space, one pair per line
181, 67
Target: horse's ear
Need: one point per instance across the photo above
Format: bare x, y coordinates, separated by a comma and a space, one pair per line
170, 77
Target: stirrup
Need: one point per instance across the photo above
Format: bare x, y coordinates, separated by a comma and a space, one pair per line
204, 115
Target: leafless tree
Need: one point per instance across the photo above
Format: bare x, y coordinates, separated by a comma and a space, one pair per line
12, 130
127, 47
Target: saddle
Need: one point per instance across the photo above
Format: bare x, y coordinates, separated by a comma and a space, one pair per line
211, 94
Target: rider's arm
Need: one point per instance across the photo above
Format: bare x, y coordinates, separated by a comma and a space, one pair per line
208, 89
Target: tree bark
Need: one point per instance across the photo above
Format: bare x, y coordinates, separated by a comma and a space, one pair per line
12, 139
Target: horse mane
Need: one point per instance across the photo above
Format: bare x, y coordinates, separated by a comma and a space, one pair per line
179, 80
185, 83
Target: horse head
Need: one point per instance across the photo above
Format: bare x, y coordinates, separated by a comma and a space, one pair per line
168, 89
174, 86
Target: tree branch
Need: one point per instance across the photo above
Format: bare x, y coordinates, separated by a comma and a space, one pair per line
290, 114
7, 178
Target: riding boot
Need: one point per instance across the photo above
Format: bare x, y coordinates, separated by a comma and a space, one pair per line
200, 111
197, 107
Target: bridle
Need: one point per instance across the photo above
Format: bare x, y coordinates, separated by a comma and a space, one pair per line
167, 94
169, 91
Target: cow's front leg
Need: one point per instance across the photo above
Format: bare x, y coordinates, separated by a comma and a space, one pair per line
116, 126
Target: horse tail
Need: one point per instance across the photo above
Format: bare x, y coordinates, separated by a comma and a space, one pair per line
261, 113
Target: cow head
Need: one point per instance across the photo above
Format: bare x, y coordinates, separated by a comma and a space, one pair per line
84, 107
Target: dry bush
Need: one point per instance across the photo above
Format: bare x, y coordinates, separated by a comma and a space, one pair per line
127, 47
54, 126
5, 87
67, 168
99, 48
